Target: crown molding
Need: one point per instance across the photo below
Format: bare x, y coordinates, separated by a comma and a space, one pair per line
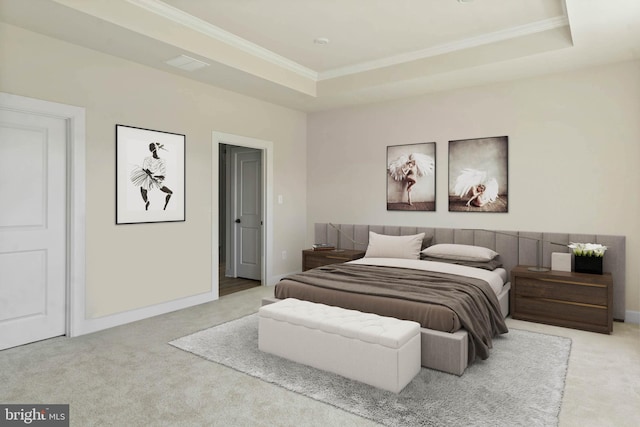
510, 33
176, 15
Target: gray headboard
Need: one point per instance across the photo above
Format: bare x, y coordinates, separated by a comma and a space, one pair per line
514, 247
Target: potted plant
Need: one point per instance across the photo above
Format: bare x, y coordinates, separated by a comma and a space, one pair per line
588, 257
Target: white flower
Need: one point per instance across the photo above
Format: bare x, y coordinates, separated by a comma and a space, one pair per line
588, 249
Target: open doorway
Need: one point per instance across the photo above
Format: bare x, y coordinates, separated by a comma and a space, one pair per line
219, 227
240, 218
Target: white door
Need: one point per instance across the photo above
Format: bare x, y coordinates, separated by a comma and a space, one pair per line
247, 166
33, 249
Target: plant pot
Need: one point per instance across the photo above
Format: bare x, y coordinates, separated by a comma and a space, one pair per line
588, 264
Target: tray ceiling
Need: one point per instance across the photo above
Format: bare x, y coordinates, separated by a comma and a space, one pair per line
376, 49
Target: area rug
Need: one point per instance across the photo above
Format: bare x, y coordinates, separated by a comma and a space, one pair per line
521, 384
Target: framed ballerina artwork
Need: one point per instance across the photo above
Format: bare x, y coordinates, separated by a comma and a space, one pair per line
411, 177
150, 176
478, 175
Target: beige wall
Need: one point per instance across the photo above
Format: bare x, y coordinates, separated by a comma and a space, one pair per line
574, 151
134, 266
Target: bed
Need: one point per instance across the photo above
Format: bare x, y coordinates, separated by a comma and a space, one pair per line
439, 296
450, 340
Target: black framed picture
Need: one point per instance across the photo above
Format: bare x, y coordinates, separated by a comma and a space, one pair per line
411, 177
150, 176
478, 175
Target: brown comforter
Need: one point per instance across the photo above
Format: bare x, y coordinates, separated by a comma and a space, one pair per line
471, 299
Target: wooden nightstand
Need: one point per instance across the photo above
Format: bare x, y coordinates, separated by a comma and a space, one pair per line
573, 300
312, 259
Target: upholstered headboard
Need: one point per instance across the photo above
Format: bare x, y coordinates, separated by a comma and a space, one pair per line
515, 247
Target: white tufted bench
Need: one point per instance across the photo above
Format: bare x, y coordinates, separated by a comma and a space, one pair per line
380, 351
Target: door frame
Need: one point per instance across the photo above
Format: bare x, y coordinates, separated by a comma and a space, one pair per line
75, 203
219, 138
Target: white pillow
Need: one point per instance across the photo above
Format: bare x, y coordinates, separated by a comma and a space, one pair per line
383, 246
460, 252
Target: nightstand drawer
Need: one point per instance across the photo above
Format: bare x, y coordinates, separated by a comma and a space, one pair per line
312, 259
553, 311
313, 262
593, 294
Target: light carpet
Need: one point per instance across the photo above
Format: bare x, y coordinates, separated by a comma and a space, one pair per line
521, 384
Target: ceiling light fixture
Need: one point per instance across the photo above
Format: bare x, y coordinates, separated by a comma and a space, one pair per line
321, 40
465, 1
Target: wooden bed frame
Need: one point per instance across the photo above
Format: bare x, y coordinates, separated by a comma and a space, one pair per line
448, 351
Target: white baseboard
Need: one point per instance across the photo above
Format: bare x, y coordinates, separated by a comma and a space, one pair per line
87, 326
632, 317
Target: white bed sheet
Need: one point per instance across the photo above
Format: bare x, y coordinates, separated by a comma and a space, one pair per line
495, 278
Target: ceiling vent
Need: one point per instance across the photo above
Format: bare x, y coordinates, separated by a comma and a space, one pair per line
186, 63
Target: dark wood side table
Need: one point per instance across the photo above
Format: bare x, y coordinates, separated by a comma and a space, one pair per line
312, 259
569, 299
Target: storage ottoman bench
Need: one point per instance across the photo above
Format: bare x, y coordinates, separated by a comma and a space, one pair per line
380, 351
